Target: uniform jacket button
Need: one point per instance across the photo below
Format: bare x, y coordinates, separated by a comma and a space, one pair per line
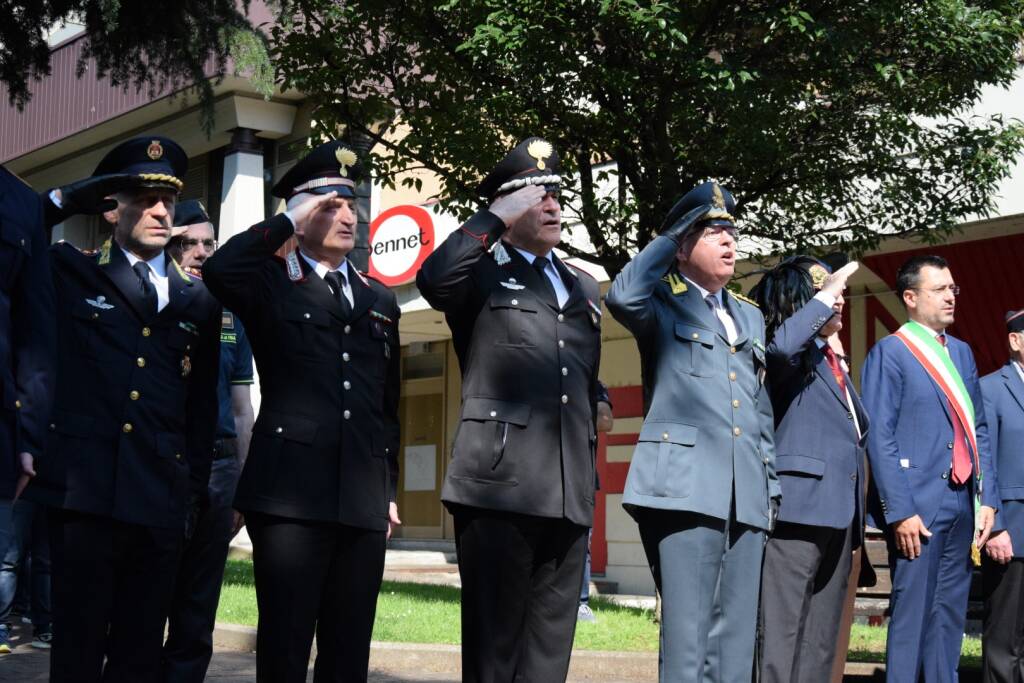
565, 398
279, 430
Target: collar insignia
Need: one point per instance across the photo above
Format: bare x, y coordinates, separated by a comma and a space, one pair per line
104, 254
99, 302
501, 256
291, 262
676, 282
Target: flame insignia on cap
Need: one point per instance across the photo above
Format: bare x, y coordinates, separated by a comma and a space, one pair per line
718, 198
155, 150
818, 275
539, 150
346, 158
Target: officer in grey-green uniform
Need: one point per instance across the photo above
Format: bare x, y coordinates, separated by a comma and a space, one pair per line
702, 483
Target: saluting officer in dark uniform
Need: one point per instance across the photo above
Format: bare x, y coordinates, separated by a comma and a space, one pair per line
193, 612
27, 347
128, 454
527, 332
319, 487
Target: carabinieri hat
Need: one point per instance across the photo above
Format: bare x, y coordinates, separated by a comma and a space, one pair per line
330, 167
157, 160
532, 162
721, 201
1015, 321
191, 212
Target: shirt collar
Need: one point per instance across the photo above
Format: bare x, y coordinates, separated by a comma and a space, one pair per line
531, 257
704, 293
321, 269
158, 263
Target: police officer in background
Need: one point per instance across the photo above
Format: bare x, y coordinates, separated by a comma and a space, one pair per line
193, 613
527, 332
702, 484
319, 487
131, 434
820, 432
27, 351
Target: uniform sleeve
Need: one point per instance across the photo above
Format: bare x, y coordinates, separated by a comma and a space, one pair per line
881, 387
201, 410
766, 417
794, 336
445, 280
392, 390
630, 298
34, 339
236, 274
989, 477
993, 420
242, 371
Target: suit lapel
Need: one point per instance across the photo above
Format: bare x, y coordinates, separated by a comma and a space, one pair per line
825, 373
126, 281
571, 282
362, 295
1013, 383
738, 319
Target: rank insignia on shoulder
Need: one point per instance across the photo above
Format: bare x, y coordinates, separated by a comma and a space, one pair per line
499, 253
381, 317
291, 262
188, 327
744, 299
99, 302
676, 282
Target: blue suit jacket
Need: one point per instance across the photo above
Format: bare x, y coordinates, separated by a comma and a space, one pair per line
818, 454
1003, 393
910, 446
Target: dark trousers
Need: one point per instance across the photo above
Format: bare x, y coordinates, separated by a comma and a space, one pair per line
314, 577
193, 611
112, 585
1003, 641
803, 590
928, 605
708, 573
520, 589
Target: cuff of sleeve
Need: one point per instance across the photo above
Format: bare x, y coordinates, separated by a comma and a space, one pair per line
826, 298
486, 227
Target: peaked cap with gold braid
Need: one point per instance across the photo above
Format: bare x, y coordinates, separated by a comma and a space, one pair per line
157, 160
721, 201
533, 161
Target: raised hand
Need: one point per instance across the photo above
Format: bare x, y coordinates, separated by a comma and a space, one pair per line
677, 231
509, 207
836, 282
303, 213
88, 196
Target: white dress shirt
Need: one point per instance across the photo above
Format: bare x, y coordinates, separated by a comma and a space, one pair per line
561, 293
322, 270
720, 311
157, 275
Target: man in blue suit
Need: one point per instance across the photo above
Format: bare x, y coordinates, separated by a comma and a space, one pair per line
931, 468
820, 429
1003, 564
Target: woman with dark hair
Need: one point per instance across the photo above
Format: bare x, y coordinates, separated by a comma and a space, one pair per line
819, 440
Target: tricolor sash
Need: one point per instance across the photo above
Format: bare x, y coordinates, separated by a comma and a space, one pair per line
936, 361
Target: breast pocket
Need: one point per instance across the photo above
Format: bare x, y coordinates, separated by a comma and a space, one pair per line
515, 315
695, 350
304, 330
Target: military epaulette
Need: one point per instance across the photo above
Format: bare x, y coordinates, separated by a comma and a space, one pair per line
744, 299
676, 282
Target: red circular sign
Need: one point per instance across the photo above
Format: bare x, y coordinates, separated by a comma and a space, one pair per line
399, 248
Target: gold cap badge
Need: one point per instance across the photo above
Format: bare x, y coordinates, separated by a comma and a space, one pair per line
818, 275
346, 158
540, 150
155, 150
718, 198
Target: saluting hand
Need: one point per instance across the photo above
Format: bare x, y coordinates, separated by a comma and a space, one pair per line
302, 214
836, 282
509, 207
908, 536
87, 196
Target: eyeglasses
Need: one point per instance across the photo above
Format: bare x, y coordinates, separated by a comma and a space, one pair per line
191, 243
939, 291
713, 233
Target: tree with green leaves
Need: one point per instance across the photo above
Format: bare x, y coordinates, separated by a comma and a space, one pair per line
835, 123
159, 45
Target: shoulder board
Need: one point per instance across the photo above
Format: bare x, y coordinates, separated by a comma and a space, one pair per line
744, 299
676, 282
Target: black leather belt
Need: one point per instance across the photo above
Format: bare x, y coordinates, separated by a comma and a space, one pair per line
225, 448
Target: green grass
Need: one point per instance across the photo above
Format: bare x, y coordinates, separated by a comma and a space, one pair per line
419, 613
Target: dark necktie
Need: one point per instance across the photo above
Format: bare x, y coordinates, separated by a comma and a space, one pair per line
712, 301
337, 282
540, 264
141, 269
962, 465
837, 370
